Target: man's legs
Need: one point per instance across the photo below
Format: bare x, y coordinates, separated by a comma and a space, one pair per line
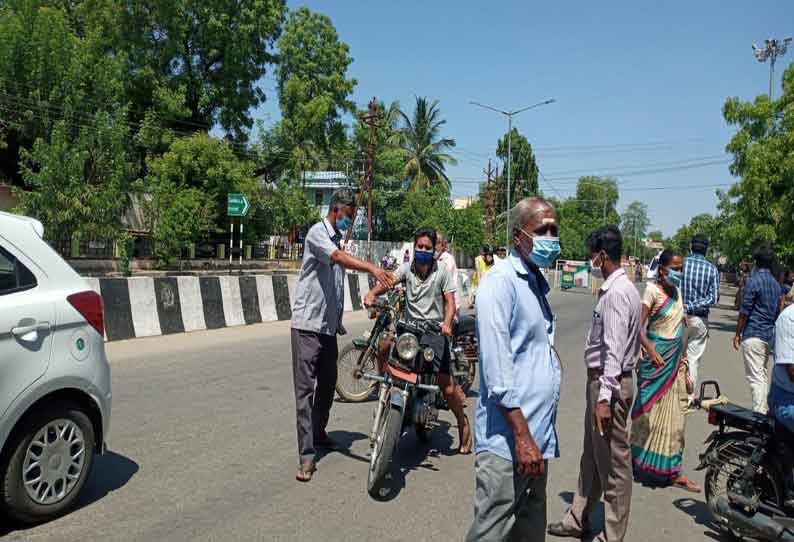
506, 506
617, 495
326, 385
756, 355
697, 338
305, 355
456, 400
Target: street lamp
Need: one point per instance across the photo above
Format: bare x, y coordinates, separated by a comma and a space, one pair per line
772, 49
509, 115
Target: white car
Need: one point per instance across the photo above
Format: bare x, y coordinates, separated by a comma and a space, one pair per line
653, 268
55, 391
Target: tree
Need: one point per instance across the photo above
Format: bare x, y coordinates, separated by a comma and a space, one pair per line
703, 223
424, 207
313, 86
635, 221
465, 229
524, 171
286, 209
584, 213
656, 236
761, 205
424, 150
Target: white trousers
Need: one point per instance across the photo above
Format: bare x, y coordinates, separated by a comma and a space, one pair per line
696, 340
756, 360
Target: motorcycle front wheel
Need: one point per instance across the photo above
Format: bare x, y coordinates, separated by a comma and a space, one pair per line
383, 449
350, 388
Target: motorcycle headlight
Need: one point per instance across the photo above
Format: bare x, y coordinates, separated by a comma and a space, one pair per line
429, 354
407, 346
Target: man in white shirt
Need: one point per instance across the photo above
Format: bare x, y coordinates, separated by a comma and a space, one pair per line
781, 392
444, 257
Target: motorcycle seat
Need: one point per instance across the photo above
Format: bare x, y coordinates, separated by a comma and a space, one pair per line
743, 418
466, 324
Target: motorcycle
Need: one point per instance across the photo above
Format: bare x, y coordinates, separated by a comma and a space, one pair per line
745, 479
409, 395
360, 355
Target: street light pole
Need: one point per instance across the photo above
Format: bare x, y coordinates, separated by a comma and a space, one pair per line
509, 115
773, 48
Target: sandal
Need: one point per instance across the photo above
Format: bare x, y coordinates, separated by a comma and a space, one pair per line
465, 448
686, 484
306, 471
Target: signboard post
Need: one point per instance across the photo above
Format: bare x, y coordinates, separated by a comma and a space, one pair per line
236, 205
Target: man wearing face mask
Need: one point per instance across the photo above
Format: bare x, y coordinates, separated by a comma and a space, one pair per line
444, 257
612, 350
316, 320
519, 383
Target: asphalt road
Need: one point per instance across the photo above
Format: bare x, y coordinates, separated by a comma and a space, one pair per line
203, 448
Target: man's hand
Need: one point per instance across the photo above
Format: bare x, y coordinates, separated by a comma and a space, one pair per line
603, 417
369, 299
446, 329
383, 277
529, 461
737, 341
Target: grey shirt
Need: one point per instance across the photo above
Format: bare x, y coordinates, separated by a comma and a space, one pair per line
424, 299
320, 295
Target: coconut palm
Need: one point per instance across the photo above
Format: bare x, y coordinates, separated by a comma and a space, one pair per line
423, 147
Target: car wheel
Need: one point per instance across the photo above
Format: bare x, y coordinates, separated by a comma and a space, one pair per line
47, 464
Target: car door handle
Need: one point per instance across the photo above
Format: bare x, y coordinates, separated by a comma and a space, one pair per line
21, 331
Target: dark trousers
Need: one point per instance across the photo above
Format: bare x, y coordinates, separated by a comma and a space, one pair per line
314, 375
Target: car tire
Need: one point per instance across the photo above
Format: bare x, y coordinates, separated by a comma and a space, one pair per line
14, 497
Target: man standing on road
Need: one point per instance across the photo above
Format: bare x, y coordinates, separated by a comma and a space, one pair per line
700, 288
756, 326
316, 320
519, 384
611, 352
447, 259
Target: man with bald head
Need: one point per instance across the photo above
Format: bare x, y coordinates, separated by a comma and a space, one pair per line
519, 383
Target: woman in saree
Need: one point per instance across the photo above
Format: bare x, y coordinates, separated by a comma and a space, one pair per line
657, 432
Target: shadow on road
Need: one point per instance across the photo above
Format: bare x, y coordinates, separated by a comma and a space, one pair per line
344, 441
596, 516
111, 471
699, 511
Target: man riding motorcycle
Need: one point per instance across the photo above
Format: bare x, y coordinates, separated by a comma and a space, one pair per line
430, 295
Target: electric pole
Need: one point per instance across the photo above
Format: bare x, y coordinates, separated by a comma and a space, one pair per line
772, 49
368, 179
488, 203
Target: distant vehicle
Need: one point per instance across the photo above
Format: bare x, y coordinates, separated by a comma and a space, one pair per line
55, 391
653, 268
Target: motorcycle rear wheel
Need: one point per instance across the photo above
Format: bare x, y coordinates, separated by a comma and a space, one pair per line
383, 450
349, 388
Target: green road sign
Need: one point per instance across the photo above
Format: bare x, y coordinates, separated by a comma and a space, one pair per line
237, 205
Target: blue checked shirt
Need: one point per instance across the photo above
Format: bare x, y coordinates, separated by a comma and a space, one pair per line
700, 285
761, 305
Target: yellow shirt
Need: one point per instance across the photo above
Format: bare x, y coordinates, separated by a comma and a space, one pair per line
664, 326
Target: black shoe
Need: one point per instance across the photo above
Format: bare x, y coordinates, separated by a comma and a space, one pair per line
562, 530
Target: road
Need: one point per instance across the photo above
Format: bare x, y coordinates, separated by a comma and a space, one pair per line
203, 448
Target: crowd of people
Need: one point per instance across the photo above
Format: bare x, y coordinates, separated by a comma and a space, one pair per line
643, 356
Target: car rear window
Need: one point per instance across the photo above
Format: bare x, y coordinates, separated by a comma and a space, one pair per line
14, 276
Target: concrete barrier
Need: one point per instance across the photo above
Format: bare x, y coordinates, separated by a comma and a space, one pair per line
147, 307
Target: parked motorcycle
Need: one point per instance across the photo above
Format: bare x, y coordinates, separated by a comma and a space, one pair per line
409, 394
360, 355
745, 486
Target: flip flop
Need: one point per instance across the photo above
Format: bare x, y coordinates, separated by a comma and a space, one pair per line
466, 449
687, 485
305, 472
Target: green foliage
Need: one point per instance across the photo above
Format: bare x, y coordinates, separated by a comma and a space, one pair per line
424, 150
524, 172
634, 222
427, 207
313, 86
466, 230
703, 223
78, 179
760, 208
284, 208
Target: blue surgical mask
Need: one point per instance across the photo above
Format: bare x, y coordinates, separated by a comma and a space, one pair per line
674, 278
343, 223
423, 257
545, 250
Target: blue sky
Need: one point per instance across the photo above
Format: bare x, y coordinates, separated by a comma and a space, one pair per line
639, 85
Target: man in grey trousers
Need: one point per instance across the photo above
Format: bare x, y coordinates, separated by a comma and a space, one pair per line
316, 320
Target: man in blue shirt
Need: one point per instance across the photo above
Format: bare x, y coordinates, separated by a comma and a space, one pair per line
700, 287
781, 393
756, 326
515, 431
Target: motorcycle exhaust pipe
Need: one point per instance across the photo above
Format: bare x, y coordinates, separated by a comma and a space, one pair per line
762, 526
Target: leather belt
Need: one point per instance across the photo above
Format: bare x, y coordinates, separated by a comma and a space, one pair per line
596, 373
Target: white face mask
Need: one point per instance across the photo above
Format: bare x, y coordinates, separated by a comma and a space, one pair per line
595, 270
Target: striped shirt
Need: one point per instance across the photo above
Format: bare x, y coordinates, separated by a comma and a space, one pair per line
700, 285
613, 342
761, 304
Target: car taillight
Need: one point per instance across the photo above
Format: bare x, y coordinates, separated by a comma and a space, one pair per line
89, 305
713, 420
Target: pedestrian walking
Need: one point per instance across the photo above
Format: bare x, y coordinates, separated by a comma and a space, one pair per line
756, 326
515, 432
444, 257
657, 418
316, 320
700, 287
611, 353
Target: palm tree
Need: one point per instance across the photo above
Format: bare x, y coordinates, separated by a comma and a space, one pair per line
424, 148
